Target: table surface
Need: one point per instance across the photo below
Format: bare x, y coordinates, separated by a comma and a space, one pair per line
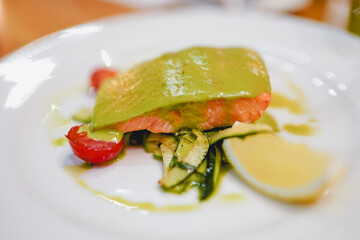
22, 21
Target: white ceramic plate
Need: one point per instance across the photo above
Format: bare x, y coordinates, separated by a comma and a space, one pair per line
40, 200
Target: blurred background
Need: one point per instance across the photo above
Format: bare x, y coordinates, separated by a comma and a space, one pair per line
22, 21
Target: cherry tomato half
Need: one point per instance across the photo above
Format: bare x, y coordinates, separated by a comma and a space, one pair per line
100, 75
91, 150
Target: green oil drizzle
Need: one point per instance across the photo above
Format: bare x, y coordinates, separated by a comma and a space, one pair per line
144, 205
112, 161
268, 119
75, 171
58, 142
299, 129
312, 120
296, 105
280, 101
232, 197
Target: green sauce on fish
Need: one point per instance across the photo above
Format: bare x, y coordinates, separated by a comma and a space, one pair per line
196, 74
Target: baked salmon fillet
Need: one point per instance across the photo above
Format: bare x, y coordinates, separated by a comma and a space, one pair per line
198, 88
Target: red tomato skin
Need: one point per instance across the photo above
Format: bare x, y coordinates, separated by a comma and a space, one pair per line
90, 150
100, 75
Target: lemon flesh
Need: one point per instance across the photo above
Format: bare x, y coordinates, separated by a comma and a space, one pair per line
283, 170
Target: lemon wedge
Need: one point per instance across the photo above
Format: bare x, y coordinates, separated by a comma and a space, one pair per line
280, 169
